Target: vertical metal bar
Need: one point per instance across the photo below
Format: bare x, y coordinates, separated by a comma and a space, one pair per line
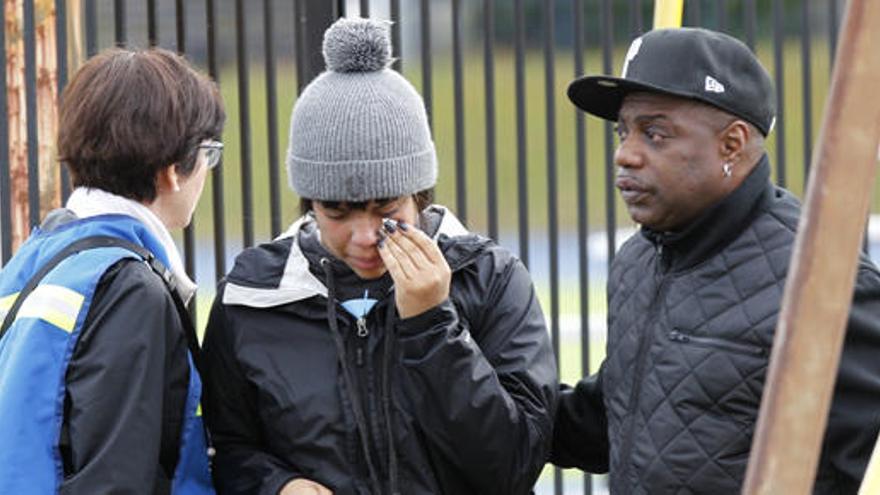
695, 17
721, 15
61, 54
5, 188
521, 157
552, 192
244, 122
832, 31
396, 49
779, 69
365, 8
189, 236
180, 14
120, 32
489, 80
299, 34
458, 89
636, 23
91, 28
33, 144
610, 209
152, 34
582, 218
750, 20
806, 77
217, 173
272, 118
313, 18
427, 86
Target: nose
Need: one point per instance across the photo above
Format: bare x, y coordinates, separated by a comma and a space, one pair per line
627, 154
364, 231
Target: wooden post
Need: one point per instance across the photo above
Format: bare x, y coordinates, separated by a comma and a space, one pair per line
818, 292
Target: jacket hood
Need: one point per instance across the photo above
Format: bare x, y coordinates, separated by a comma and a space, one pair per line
277, 273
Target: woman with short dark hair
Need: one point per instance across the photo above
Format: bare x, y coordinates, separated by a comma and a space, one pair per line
99, 393
377, 347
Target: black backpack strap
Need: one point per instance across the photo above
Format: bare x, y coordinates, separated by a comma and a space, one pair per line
103, 241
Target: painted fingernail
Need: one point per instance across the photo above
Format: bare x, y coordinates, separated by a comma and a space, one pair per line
403, 226
381, 243
389, 225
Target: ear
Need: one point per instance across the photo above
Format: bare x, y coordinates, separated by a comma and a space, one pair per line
167, 179
733, 140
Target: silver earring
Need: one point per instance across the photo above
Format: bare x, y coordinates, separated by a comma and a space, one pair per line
726, 169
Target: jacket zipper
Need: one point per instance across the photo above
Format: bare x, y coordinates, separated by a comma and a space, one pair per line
362, 332
717, 343
367, 384
644, 345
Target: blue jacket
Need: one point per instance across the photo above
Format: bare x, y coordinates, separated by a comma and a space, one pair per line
57, 439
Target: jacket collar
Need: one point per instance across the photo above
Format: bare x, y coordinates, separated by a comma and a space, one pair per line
297, 282
89, 202
719, 225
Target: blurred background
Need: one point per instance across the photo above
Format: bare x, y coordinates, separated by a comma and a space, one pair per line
517, 162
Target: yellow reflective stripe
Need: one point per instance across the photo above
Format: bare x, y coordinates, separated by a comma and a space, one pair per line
54, 304
6, 303
199, 409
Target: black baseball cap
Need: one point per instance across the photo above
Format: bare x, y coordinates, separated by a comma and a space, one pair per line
693, 63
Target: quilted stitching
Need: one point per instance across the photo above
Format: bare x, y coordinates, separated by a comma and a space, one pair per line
698, 404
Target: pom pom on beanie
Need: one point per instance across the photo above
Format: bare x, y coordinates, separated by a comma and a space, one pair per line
357, 45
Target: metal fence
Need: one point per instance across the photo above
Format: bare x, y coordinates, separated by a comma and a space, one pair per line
518, 163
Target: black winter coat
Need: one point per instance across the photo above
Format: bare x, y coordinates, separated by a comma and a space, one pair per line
690, 328
458, 400
127, 383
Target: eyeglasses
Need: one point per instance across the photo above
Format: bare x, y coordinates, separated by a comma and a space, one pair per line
213, 153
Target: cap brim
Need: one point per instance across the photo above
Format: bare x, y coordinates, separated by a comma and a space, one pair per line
602, 96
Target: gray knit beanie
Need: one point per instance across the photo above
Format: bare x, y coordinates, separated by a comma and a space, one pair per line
359, 131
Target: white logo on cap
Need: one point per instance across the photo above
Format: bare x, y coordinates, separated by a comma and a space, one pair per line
713, 86
631, 54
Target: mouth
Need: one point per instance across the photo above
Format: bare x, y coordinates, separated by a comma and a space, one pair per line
630, 189
368, 263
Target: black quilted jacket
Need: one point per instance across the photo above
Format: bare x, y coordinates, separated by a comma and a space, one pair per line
690, 327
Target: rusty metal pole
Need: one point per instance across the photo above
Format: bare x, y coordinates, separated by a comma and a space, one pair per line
16, 119
818, 292
46, 91
47, 105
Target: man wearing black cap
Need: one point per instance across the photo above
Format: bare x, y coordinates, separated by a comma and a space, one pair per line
693, 298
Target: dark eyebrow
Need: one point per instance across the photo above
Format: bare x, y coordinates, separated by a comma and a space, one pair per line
644, 119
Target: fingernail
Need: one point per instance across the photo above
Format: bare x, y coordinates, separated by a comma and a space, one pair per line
389, 225
403, 226
381, 243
